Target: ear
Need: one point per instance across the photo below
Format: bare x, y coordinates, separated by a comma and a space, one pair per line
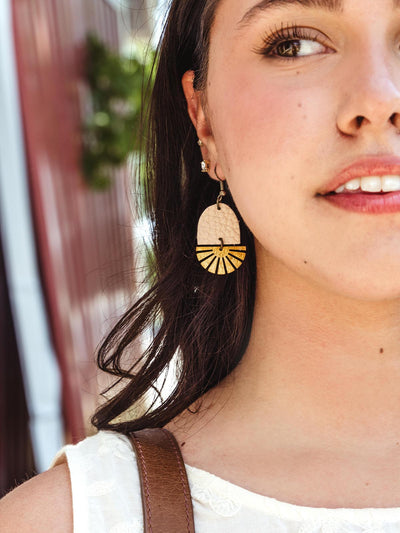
197, 114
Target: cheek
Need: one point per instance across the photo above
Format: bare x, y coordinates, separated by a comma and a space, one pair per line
266, 123
267, 133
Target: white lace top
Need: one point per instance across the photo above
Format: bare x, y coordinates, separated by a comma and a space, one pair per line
106, 498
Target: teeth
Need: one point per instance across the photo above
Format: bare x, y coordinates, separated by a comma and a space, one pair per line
387, 183
353, 185
371, 184
390, 183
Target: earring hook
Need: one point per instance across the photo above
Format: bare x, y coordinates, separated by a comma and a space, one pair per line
222, 192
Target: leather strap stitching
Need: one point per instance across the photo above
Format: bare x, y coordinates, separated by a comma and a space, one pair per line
146, 481
178, 456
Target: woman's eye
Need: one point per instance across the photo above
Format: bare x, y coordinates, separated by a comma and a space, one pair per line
293, 42
297, 48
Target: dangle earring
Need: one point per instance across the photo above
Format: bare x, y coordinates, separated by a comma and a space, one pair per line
218, 237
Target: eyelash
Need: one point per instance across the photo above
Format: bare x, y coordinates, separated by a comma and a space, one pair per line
285, 34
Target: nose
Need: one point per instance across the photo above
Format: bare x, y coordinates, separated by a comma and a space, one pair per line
371, 97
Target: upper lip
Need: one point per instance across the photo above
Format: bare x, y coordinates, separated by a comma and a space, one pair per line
368, 166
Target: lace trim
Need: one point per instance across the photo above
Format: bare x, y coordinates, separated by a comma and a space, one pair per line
226, 499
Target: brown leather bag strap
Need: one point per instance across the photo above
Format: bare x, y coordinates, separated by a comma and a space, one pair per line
167, 505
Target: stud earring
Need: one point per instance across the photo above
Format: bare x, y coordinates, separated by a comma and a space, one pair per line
205, 166
200, 142
218, 237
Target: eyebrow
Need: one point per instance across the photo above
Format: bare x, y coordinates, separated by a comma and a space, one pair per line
328, 5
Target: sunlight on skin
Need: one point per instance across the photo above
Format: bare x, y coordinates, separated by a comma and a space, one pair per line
328, 289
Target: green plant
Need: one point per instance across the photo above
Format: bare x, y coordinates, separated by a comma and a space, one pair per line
112, 127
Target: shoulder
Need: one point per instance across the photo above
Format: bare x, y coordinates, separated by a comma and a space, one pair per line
93, 487
105, 484
42, 503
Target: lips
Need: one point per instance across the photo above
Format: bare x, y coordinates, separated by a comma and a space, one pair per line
371, 166
367, 203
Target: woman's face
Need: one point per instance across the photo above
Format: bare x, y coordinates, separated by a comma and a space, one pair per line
298, 91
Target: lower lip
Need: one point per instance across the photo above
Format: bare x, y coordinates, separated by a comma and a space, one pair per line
366, 202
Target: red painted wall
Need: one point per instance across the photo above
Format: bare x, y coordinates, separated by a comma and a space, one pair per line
84, 238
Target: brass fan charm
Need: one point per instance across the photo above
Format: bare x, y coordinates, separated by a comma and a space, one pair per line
218, 240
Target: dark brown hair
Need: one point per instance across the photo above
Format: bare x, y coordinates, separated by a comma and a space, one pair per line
204, 318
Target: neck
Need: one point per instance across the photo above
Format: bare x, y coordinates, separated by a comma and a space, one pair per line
325, 364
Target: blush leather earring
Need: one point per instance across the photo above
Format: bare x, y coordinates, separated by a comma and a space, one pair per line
218, 237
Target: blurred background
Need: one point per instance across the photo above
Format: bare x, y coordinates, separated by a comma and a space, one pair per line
71, 77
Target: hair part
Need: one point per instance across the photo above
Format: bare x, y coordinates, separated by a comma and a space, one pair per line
203, 318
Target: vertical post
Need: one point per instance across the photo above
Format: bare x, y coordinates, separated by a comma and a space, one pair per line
38, 361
